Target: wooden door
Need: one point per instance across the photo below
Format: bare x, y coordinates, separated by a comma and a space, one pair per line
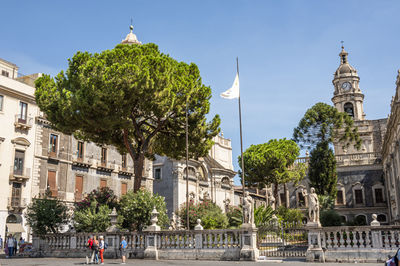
78, 187
52, 183
103, 183
124, 188
16, 195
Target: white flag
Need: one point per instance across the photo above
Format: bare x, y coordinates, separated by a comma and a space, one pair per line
233, 92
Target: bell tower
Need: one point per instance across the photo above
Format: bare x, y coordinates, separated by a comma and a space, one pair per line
348, 96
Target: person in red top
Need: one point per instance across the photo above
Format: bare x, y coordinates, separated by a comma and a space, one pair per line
89, 246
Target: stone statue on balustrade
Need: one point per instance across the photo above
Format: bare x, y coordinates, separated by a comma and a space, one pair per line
227, 203
173, 225
248, 210
271, 200
313, 207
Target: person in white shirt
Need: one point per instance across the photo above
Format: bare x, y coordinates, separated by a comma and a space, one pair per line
10, 245
101, 249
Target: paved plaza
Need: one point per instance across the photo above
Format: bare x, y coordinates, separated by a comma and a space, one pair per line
69, 261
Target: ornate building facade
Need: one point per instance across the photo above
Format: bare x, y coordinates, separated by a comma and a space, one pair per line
361, 189
391, 156
210, 177
17, 146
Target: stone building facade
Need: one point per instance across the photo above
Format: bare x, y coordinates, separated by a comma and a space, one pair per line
71, 168
210, 177
17, 137
361, 185
391, 156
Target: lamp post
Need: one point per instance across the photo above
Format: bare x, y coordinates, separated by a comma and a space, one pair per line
187, 166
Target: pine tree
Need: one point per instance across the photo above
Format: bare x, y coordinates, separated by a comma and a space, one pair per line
322, 170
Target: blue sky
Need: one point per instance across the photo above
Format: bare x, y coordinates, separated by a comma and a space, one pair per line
288, 50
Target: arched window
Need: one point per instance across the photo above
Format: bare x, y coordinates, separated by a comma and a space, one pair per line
12, 219
349, 109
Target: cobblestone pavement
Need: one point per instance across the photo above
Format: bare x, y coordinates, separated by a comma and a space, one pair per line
70, 262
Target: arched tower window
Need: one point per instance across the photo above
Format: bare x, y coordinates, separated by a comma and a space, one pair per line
349, 109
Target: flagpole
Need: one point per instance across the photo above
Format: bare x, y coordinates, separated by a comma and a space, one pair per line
241, 138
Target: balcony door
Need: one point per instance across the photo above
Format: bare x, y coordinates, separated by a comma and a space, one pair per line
19, 162
78, 187
16, 194
23, 110
52, 183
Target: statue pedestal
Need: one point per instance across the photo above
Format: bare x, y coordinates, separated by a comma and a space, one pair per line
314, 251
313, 224
249, 249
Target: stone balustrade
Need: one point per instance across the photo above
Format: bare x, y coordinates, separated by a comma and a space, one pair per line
179, 244
356, 243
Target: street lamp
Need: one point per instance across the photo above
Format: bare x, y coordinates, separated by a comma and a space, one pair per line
187, 165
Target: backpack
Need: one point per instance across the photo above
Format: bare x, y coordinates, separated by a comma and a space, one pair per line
95, 246
105, 245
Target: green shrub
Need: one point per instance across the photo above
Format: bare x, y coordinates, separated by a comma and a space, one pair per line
47, 215
135, 210
92, 219
210, 214
287, 215
358, 221
235, 216
326, 202
102, 196
263, 216
330, 218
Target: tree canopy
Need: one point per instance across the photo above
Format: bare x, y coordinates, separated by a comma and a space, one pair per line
136, 207
322, 125
272, 163
47, 215
323, 122
322, 170
133, 97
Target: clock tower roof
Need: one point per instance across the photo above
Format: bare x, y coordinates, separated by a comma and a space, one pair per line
345, 69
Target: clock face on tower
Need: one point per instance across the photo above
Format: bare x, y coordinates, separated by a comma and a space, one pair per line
346, 86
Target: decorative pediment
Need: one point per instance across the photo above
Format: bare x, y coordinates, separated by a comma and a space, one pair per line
21, 141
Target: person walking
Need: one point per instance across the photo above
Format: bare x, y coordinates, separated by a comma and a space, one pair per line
95, 253
1, 242
10, 245
15, 245
89, 246
101, 249
122, 246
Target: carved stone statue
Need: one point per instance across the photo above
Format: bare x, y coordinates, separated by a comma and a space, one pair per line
206, 196
313, 205
248, 208
271, 200
227, 202
173, 222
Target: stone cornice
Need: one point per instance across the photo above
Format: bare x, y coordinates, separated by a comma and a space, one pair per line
17, 94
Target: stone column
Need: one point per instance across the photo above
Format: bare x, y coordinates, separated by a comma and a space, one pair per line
249, 249
198, 235
376, 234
151, 251
314, 251
113, 240
72, 242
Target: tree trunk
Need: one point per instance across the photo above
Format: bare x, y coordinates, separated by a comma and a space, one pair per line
285, 192
276, 195
138, 166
